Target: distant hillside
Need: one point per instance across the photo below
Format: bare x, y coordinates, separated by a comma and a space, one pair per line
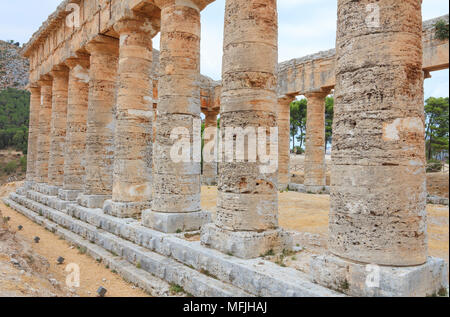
13, 67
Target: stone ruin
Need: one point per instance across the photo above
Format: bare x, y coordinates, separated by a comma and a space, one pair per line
103, 105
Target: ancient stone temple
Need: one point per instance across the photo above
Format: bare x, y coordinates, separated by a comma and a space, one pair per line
102, 172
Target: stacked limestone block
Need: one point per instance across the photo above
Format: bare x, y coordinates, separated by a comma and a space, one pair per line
132, 187
33, 133
43, 146
104, 53
284, 138
247, 208
75, 143
58, 129
176, 184
378, 192
209, 172
315, 168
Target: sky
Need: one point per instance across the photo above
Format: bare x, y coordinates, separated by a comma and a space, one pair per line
305, 27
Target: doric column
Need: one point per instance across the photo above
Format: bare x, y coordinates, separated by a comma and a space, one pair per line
284, 137
314, 167
247, 209
100, 122
76, 125
33, 132
43, 146
209, 174
58, 129
132, 182
176, 185
378, 192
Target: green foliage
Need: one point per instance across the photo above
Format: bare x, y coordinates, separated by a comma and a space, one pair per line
434, 166
436, 126
14, 118
329, 115
298, 121
23, 163
10, 167
442, 30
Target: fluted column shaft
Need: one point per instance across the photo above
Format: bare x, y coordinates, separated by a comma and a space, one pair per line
209, 174
176, 183
58, 127
284, 137
132, 187
378, 190
76, 126
33, 132
246, 224
104, 53
314, 167
43, 147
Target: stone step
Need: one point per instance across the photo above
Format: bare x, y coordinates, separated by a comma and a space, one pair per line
257, 276
190, 280
152, 285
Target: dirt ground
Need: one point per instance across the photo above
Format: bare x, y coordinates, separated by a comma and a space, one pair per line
7, 156
42, 276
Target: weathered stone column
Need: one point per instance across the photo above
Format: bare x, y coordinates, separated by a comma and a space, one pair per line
284, 138
75, 143
100, 122
247, 209
43, 146
33, 133
176, 185
209, 175
132, 188
314, 167
58, 129
378, 190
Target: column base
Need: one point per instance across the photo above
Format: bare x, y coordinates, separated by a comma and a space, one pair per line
313, 189
69, 194
358, 279
175, 222
46, 189
209, 180
92, 201
125, 209
245, 244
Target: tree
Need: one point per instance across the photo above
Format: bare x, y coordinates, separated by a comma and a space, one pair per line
436, 126
329, 114
298, 121
14, 117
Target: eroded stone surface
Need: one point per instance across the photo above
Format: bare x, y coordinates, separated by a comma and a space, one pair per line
43, 146
77, 112
315, 169
58, 126
378, 190
100, 120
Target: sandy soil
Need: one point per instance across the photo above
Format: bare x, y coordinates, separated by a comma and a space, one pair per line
92, 274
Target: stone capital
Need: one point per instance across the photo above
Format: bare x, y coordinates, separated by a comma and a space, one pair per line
60, 71
81, 60
195, 4
285, 99
45, 80
34, 88
103, 44
322, 94
145, 25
